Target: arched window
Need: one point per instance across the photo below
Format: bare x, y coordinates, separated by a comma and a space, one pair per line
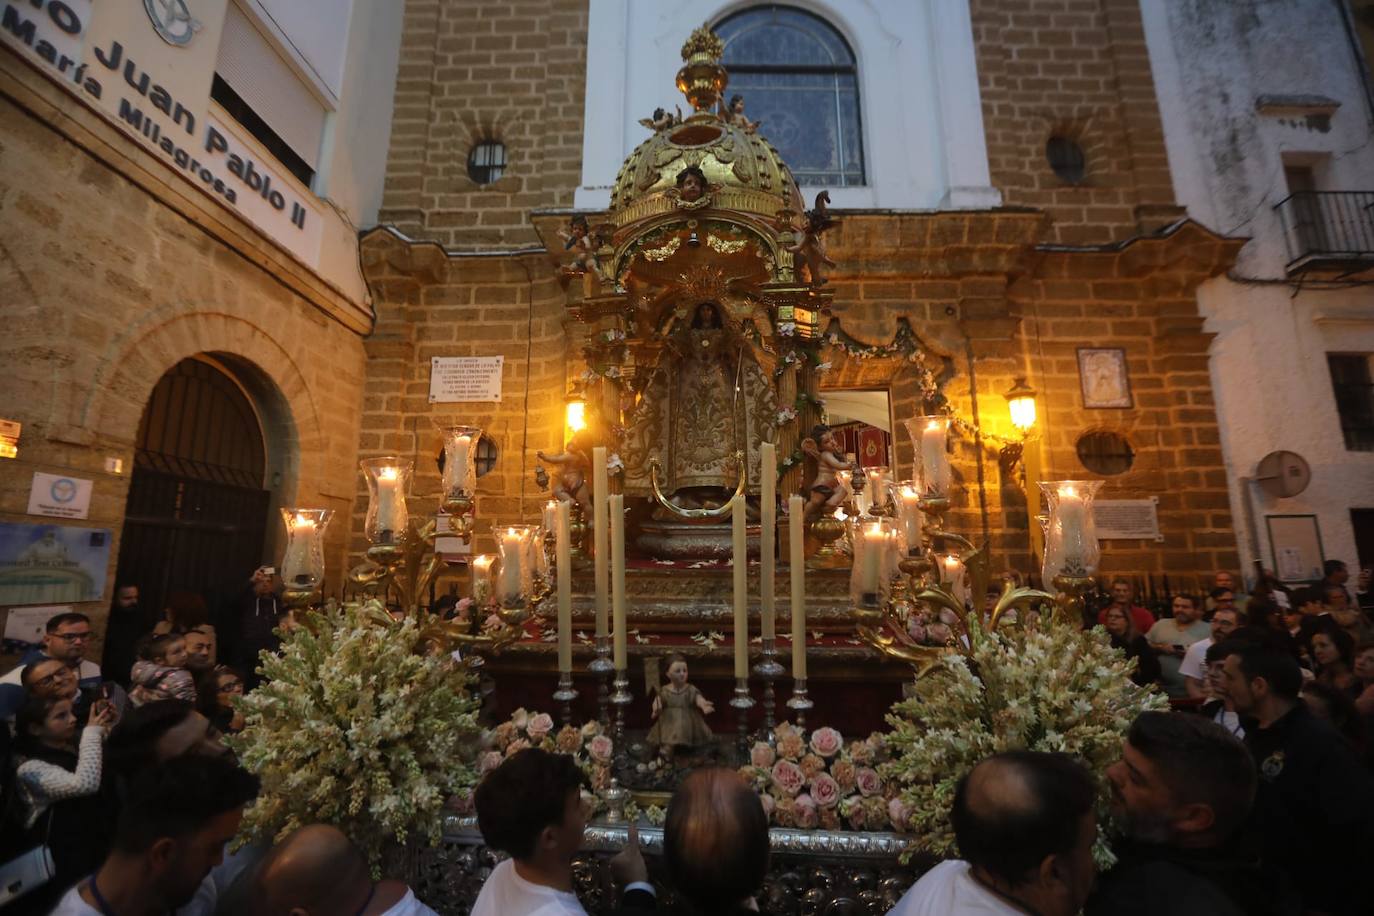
799, 81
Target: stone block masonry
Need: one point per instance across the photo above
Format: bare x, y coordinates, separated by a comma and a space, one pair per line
111, 276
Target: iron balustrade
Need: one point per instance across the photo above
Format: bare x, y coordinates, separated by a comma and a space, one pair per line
1327, 226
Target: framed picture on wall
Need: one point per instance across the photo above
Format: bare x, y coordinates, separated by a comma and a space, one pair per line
1296, 545
1103, 377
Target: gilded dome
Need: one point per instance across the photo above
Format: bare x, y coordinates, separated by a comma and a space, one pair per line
743, 169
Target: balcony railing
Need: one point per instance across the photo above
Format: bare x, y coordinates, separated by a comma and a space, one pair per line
1328, 230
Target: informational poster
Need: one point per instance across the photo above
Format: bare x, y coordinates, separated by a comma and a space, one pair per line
1297, 544
1127, 519
465, 378
52, 564
57, 496
24, 626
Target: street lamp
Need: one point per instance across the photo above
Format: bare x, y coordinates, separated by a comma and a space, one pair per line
1021, 403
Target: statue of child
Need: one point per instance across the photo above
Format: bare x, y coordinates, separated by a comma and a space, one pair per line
680, 711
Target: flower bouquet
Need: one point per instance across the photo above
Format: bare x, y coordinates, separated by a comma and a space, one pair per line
589, 746
1048, 688
820, 781
356, 726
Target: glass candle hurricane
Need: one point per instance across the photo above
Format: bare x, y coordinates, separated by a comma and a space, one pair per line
929, 438
302, 565
515, 578
1071, 546
388, 481
875, 561
905, 498
460, 461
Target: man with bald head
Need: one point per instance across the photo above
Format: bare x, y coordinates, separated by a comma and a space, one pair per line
1025, 827
715, 843
317, 871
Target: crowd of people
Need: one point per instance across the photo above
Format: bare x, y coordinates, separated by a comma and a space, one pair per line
1253, 795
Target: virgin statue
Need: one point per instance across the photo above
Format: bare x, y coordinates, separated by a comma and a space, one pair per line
705, 401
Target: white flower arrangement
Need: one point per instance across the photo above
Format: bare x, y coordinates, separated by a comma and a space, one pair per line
615, 465
355, 726
1054, 688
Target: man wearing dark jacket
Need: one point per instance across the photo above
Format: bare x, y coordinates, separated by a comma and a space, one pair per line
129, 622
1181, 791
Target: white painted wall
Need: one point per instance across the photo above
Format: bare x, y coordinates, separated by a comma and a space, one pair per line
315, 35
1269, 373
918, 90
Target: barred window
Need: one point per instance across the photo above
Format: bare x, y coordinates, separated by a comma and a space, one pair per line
799, 80
1354, 389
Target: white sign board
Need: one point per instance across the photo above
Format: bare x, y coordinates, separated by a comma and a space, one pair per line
447, 545
59, 497
26, 625
465, 378
1127, 519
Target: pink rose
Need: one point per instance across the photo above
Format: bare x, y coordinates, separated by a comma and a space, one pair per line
826, 741
788, 777
940, 634
601, 747
854, 814
811, 765
539, 726
761, 755
899, 814
488, 762
843, 771
825, 791
519, 744
791, 746
804, 810
784, 730
868, 781
769, 805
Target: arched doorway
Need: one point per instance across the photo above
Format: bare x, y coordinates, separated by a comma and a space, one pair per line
197, 511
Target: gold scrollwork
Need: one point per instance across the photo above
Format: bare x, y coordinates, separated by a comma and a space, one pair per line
726, 247
664, 252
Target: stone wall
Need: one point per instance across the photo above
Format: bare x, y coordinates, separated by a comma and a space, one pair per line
432, 304
510, 72
1078, 68
111, 274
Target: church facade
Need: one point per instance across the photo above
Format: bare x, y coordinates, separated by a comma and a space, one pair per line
1004, 205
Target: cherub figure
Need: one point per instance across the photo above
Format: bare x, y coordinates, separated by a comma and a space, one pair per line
734, 114
662, 119
692, 191
580, 239
679, 710
828, 491
571, 484
812, 244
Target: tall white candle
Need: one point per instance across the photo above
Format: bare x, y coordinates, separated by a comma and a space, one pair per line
600, 535
909, 515
797, 570
296, 562
563, 557
550, 516
934, 459
512, 561
873, 548
458, 473
768, 511
953, 576
390, 505
1071, 520
877, 487
481, 579
616, 507
738, 531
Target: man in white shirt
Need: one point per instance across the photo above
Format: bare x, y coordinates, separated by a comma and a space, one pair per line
317, 871
530, 807
1193, 668
1025, 823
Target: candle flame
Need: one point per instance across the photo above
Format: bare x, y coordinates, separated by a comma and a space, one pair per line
875, 529
482, 559
908, 492
1068, 491
933, 425
301, 518
388, 473
951, 561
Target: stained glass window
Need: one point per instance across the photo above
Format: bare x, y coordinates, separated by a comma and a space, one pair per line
799, 81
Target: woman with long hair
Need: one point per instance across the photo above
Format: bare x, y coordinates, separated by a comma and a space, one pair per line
1332, 651
1124, 636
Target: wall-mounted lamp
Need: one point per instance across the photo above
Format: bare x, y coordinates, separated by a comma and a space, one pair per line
574, 416
1021, 405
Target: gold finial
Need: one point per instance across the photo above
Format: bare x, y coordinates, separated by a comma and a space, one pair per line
703, 42
702, 79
